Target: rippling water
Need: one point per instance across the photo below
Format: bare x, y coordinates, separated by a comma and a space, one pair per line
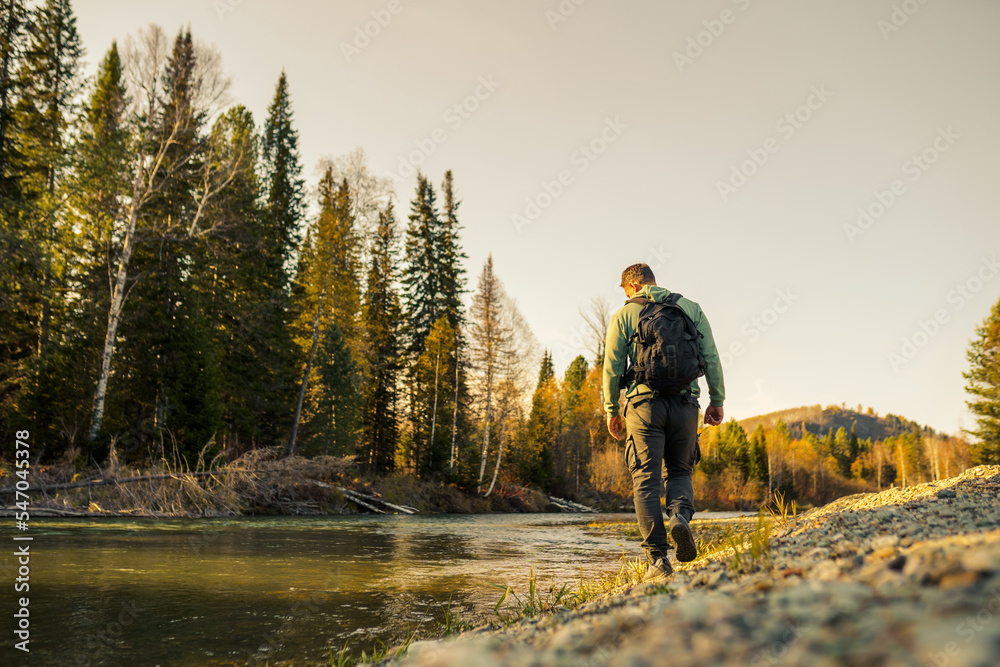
258, 590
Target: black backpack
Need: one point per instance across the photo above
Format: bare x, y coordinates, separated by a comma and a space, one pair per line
667, 348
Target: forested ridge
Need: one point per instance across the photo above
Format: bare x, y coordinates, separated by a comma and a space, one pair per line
172, 288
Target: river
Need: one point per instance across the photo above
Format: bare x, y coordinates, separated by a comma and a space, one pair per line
272, 589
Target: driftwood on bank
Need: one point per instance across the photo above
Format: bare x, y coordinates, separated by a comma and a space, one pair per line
570, 506
365, 500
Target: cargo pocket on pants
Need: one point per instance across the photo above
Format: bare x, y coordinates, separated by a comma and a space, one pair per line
631, 457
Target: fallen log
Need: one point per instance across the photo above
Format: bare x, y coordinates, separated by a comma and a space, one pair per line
570, 506
353, 497
367, 498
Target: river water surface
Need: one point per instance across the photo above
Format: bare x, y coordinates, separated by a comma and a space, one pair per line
282, 590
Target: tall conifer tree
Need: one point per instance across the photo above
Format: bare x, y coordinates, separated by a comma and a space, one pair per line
93, 188
249, 322
17, 276
173, 182
449, 254
334, 421
283, 184
13, 19
326, 290
983, 386
382, 328
421, 275
49, 86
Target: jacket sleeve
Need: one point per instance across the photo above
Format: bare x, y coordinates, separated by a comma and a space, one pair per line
615, 359
713, 365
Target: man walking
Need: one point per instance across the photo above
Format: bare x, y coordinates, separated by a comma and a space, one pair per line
662, 422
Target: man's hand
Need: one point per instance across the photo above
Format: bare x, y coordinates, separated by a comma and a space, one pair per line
616, 425
713, 415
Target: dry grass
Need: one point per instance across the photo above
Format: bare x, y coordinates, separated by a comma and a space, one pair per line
259, 482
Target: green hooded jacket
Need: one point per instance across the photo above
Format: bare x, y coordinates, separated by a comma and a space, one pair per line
617, 350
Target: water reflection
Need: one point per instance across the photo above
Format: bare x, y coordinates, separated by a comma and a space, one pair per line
256, 590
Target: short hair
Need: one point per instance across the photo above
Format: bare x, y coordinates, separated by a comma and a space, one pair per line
638, 273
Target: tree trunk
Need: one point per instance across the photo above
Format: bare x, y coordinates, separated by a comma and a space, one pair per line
496, 470
770, 473
305, 378
434, 412
486, 438
114, 318
454, 417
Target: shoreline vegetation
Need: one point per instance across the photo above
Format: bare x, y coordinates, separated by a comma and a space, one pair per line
261, 482
907, 576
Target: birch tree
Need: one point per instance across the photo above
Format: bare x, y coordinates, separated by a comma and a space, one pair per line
156, 129
370, 194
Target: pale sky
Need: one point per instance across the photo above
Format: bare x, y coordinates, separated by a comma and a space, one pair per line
728, 143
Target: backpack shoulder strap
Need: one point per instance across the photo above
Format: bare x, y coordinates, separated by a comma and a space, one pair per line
673, 298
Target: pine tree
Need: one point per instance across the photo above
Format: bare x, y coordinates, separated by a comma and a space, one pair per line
334, 422
326, 289
283, 187
546, 370
449, 256
841, 451
13, 20
983, 384
173, 182
169, 341
49, 84
382, 327
854, 445
757, 455
575, 376
421, 277
435, 389
577, 434
543, 426
17, 243
734, 448
259, 362
92, 186
248, 317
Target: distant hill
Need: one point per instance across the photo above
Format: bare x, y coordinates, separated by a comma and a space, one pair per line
818, 421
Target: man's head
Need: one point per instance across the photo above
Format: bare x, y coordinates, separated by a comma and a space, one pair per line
635, 276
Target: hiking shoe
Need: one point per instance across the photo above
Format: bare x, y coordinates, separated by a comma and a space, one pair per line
658, 571
680, 531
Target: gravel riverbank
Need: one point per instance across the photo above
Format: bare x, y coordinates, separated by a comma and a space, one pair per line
903, 577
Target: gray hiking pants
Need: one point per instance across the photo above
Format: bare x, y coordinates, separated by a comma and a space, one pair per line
661, 430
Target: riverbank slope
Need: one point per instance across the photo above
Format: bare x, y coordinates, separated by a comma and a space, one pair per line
261, 482
902, 577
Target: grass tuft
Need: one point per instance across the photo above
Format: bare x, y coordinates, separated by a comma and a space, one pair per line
512, 608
